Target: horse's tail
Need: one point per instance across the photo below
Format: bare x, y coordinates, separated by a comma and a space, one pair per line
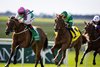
45, 44
84, 40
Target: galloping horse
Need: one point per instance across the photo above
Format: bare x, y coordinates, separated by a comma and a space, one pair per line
63, 41
22, 38
94, 41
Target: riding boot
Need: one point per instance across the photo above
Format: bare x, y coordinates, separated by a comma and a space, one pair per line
35, 34
73, 32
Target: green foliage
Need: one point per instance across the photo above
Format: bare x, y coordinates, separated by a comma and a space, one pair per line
47, 24
3, 18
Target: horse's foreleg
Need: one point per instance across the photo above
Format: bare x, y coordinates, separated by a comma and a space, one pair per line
63, 56
95, 53
62, 49
11, 54
52, 49
15, 55
84, 56
55, 59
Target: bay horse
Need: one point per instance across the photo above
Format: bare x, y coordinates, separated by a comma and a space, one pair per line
22, 38
93, 40
63, 41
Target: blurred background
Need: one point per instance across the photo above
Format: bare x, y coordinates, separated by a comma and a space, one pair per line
45, 11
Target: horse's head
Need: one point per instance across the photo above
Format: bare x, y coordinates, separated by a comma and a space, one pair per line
11, 25
59, 22
89, 28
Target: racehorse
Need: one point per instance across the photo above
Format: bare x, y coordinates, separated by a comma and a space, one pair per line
63, 41
22, 38
93, 41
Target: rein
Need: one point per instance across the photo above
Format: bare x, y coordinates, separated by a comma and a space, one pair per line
95, 39
22, 31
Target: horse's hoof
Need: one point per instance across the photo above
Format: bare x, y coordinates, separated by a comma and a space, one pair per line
81, 62
58, 66
14, 62
6, 65
94, 63
52, 61
55, 61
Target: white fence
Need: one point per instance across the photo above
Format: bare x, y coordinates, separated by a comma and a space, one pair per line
8, 41
51, 43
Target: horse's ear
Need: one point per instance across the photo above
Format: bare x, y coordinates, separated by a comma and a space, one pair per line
9, 18
85, 22
57, 15
12, 17
16, 19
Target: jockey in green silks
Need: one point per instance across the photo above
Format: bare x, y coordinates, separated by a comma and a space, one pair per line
68, 19
26, 16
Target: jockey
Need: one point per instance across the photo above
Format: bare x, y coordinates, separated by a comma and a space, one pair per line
68, 19
96, 21
26, 16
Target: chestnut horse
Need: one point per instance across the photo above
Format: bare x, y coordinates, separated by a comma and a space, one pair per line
93, 39
22, 38
63, 41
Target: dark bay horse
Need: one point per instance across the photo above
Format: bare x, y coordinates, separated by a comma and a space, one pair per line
63, 41
93, 40
22, 39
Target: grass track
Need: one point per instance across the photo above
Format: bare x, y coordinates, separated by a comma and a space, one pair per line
86, 63
46, 65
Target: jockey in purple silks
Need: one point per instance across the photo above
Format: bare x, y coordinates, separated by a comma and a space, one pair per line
96, 21
26, 16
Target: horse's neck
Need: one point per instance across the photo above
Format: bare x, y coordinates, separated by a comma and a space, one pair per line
20, 28
93, 36
64, 32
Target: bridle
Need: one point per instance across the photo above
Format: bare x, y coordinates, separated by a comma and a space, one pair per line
25, 29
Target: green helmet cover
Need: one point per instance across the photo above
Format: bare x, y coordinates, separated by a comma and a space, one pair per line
64, 13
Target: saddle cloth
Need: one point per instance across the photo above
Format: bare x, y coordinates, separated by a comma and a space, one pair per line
77, 32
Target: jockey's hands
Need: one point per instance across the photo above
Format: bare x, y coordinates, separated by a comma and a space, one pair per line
21, 20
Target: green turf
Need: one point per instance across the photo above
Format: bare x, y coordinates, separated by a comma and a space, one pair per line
71, 62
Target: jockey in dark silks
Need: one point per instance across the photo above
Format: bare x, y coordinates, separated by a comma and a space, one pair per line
26, 16
68, 19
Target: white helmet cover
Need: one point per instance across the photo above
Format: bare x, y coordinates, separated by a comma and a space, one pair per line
96, 18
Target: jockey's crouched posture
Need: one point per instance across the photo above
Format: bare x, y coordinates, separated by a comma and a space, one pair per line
68, 19
26, 16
